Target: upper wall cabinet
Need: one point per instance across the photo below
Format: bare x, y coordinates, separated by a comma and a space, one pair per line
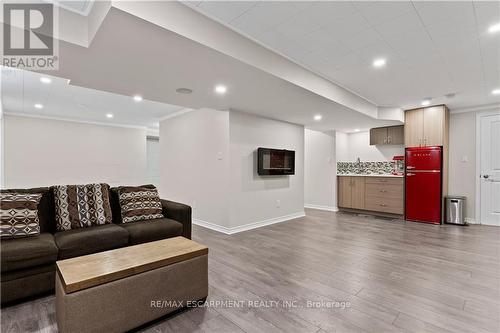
426, 126
392, 135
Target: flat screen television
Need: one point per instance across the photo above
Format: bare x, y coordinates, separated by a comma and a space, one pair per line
275, 162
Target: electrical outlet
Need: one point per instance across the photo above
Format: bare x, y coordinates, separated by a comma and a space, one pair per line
465, 158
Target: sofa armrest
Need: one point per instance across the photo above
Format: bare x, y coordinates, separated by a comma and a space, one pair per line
179, 212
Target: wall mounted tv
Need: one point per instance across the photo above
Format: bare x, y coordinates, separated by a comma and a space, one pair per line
275, 162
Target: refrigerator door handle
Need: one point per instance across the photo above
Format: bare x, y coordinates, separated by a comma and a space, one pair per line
410, 174
410, 167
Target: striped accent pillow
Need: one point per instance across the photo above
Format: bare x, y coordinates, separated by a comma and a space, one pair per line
19, 214
80, 206
139, 203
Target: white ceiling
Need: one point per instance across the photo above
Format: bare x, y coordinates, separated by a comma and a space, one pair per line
122, 61
433, 48
21, 90
82, 7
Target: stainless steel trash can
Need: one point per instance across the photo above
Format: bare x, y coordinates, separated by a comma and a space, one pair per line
455, 209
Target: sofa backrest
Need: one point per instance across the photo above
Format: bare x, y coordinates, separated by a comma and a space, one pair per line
46, 210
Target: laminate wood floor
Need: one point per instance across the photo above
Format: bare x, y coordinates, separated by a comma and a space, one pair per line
396, 276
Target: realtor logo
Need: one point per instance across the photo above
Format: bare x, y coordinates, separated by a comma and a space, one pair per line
28, 36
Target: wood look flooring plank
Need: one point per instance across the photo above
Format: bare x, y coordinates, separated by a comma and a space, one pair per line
414, 325
397, 277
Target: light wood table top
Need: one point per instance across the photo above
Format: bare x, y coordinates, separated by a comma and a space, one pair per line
103, 267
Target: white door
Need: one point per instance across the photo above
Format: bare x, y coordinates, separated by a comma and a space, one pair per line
489, 144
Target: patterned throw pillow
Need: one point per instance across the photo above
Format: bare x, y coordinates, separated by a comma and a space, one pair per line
19, 214
80, 206
139, 203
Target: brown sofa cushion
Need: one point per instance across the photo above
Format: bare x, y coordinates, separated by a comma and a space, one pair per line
28, 252
139, 203
80, 206
27, 283
79, 242
19, 214
152, 230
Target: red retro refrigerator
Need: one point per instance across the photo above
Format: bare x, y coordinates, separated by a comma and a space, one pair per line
423, 184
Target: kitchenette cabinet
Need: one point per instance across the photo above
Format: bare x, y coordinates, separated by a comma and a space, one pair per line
351, 192
373, 194
426, 126
390, 135
384, 194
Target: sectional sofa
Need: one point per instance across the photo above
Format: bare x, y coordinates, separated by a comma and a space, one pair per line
28, 264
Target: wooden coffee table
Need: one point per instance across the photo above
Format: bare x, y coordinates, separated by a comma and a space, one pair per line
118, 290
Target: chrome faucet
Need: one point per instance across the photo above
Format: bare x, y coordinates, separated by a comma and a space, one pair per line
358, 162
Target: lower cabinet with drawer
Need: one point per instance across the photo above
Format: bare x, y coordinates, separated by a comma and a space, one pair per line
375, 194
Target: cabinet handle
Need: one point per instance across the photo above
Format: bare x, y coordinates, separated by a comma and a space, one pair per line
389, 139
383, 205
383, 191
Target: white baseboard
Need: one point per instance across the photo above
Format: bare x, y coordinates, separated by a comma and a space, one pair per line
327, 208
470, 220
249, 226
212, 226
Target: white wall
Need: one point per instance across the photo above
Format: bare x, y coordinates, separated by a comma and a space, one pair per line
208, 160
194, 149
462, 180
153, 161
358, 145
341, 147
320, 169
257, 198
43, 152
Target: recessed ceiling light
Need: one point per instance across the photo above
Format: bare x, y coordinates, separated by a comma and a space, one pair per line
495, 92
426, 102
220, 89
137, 98
318, 117
377, 63
109, 115
357, 130
38, 106
494, 28
45, 80
184, 90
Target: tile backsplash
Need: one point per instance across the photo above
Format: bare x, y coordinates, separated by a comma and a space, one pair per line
378, 168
